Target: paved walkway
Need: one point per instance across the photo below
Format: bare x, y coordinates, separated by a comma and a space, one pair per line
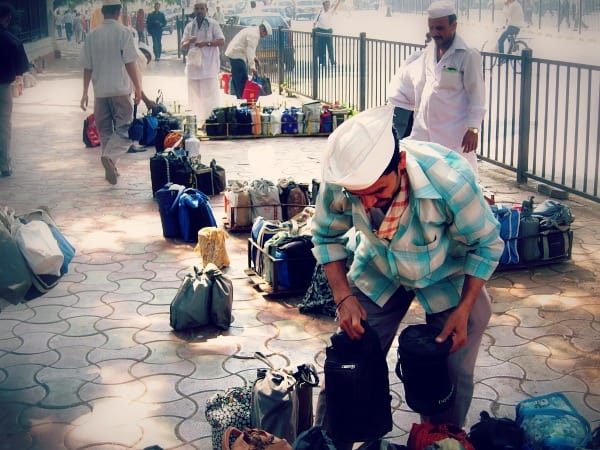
94, 363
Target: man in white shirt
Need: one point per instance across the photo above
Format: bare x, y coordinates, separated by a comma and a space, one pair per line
513, 12
444, 87
202, 38
241, 52
324, 25
109, 58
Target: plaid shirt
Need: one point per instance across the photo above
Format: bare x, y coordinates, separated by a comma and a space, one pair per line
448, 231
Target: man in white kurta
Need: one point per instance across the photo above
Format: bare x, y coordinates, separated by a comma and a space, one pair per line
202, 38
444, 85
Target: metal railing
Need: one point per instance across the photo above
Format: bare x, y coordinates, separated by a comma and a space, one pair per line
542, 120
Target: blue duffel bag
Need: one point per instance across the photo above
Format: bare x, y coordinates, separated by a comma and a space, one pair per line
167, 198
194, 213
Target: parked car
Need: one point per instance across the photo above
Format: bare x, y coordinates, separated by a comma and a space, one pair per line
307, 9
171, 23
287, 8
267, 47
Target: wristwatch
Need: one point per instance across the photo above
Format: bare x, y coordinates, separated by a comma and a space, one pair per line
473, 130
209, 44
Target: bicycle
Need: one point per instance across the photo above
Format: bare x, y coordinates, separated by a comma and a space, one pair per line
514, 47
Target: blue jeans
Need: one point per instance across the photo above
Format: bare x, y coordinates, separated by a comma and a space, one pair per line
507, 31
156, 43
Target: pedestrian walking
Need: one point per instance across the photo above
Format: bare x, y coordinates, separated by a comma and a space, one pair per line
446, 87
109, 58
68, 17
425, 238
154, 24
140, 25
78, 27
14, 63
201, 39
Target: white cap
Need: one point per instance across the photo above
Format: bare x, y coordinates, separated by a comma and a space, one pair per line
441, 8
360, 149
111, 2
268, 27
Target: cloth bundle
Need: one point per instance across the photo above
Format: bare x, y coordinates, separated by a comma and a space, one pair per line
211, 246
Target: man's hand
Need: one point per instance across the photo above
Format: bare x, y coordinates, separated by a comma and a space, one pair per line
349, 315
469, 142
254, 72
455, 327
84, 102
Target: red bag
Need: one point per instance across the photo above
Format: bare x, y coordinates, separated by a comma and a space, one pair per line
91, 138
424, 434
251, 91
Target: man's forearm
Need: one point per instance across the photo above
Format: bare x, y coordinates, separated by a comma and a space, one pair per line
133, 73
87, 77
336, 276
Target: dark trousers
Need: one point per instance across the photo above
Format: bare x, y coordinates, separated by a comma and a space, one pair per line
239, 75
325, 44
157, 43
69, 30
507, 31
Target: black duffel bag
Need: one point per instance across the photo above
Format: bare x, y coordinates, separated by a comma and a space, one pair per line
167, 167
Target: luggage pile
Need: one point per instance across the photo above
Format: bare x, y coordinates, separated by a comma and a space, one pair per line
280, 253
277, 405
313, 118
533, 234
244, 201
35, 254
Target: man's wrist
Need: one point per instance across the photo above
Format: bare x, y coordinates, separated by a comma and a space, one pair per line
473, 130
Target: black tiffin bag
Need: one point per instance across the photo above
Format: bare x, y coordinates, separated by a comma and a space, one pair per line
357, 388
423, 368
169, 167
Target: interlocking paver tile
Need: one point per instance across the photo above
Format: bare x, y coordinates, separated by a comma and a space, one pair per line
182, 368
138, 352
504, 336
565, 384
80, 326
160, 388
95, 340
72, 357
162, 429
506, 353
129, 390
51, 327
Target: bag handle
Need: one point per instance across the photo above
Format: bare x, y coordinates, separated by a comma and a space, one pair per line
134, 110
307, 374
159, 97
230, 432
261, 357
175, 203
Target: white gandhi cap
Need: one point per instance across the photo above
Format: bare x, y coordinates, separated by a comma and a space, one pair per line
441, 8
360, 149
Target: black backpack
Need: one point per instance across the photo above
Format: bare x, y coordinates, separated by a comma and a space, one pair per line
358, 393
496, 434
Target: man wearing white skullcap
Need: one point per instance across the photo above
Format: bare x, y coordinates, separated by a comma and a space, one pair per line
109, 59
444, 87
397, 219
